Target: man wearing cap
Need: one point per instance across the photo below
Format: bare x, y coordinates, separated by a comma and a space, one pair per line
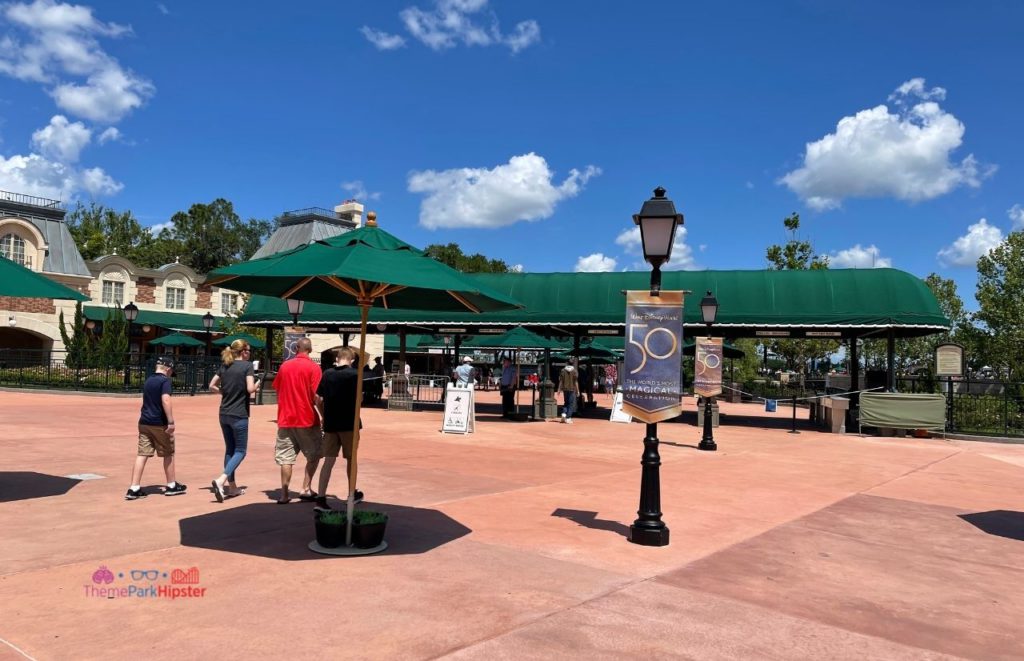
156, 430
465, 374
298, 429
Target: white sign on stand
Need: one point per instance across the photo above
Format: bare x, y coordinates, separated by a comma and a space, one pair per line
459, 410
617, 414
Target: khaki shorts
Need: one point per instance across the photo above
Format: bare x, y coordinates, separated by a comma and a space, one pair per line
155, 439
293, 440
337, 440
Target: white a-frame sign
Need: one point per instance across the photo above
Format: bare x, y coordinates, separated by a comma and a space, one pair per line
459, 410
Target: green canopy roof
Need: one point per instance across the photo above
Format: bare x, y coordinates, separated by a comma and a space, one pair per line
20, 282
254, 342
819, 303
169, 320
177, 340
516, 338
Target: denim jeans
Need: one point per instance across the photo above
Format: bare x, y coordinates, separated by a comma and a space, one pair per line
236, 441
570, 403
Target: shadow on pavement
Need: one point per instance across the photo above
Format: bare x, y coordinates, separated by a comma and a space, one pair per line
23, 485
590, 520
1002, 523
269, 530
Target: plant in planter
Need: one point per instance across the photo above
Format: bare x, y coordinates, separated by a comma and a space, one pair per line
368, 528
330, 528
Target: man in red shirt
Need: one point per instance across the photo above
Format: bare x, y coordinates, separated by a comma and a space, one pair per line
298, 426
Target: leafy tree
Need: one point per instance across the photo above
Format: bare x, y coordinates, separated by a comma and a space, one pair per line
77, 347
99, 230
113, 344
1000, 296
212, 235
452, 255
798, 254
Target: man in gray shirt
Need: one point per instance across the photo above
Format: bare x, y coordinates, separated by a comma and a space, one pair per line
465, 374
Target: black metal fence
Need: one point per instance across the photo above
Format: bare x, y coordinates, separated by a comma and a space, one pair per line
53, 370
977, 406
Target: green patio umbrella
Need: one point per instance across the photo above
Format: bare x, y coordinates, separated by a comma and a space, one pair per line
594, 352
728, 350
515, 338
20, 282
376, 269
177, 340
254, 342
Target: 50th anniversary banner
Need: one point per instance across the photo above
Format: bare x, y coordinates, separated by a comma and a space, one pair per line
651, 385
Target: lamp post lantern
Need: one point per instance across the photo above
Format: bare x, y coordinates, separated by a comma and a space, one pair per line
208, 325
131, 313
295, 309
658, 221
708, 312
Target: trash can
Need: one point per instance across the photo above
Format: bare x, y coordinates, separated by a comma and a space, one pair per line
770, 405
714, 414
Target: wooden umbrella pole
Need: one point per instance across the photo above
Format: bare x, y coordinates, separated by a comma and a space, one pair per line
353, 467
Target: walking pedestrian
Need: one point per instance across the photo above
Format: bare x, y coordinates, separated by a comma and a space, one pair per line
297, 427
156, 430
235, 381
507, 388
568, 383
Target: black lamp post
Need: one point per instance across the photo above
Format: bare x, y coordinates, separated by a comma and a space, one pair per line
208, 325
131, 313
295, 309
658, 221
708, 312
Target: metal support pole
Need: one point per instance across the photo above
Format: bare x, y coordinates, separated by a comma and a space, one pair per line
890, 361
649, 529
949, 403
793, 430
707, 441
128, 360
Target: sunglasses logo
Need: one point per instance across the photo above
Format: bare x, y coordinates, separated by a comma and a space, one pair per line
148, 574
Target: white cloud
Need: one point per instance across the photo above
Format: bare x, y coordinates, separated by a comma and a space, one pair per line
62, 140
517, 268
453, 22
163, 9
522, 189
358, 190
1016, 213
61, 50
111, 134
159, 227
382, 40
595, 263
682, 254
904, 153
859, 257
34, 174
965, 251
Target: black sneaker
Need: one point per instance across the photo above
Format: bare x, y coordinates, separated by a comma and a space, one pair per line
176, 490
357, 496
320, 504
135, 494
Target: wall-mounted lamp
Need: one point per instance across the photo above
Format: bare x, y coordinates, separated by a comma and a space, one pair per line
11, 321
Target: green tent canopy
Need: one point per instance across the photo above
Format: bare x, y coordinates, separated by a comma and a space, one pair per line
828, 303
516, 338
178, 321
177, 340
254, 342
20, 282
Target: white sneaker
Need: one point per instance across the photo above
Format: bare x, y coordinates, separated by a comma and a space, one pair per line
569, 421
563, 419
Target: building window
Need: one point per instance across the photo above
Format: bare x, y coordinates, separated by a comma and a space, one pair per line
113, 292
175, 298
12, 247
228, 303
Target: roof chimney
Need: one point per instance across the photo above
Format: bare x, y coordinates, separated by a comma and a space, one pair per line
350, 210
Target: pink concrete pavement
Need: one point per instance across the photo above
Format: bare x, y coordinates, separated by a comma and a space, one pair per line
509, 543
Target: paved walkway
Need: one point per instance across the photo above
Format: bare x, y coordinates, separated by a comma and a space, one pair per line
510, 544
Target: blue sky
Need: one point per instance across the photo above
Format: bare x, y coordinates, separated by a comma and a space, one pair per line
531, 131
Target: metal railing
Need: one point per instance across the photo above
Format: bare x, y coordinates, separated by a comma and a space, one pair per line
55, 370
977, 406
33, 200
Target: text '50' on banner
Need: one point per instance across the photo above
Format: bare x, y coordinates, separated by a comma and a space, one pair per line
651, 383
707, 370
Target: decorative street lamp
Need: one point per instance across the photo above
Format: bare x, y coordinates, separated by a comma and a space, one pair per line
708, 312
658, 221
208, 325
295, 309
131, 313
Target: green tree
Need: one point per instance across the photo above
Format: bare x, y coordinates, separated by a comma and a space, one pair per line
798, 254
1000, 296
77, 347
99, 230
113, 345
452, 255
209, 236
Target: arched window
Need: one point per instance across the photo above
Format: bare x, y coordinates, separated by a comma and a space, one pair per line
12, 247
